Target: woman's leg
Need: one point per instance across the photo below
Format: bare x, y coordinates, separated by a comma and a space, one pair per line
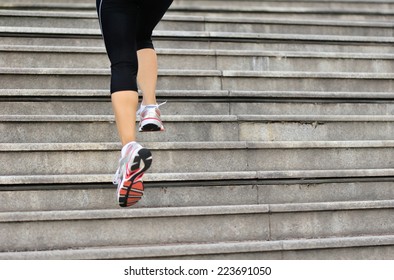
151, 12
147, 75
118, 20
124, 104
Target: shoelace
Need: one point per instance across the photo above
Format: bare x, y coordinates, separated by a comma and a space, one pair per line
117, 177
119, 172
142, 107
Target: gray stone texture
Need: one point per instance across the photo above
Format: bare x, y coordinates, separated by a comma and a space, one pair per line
99, 158
61, 234
278, 142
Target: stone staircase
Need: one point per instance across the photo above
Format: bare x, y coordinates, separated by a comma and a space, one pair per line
278, 145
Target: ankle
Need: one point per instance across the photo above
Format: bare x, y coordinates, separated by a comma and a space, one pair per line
148, 101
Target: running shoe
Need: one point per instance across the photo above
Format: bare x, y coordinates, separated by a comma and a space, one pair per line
134, 162
150, 118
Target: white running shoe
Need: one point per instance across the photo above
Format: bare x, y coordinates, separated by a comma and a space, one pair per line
150, 118
134, 162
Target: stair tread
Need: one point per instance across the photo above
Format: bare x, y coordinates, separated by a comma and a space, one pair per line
205, 52
202, 34
208, 18
182, 211
193, 249
200, 93
253, 6
198, 145
205, 73
198, 176
204, 118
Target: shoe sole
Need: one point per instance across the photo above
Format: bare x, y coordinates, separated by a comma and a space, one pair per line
150, 128
132, 189
151, 125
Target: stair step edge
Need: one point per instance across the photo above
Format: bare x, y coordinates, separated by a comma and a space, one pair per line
198, 176
62, 215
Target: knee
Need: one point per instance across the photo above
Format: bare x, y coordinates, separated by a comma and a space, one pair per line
124, 68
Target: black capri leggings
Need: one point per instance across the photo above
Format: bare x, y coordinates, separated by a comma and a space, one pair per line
127, 27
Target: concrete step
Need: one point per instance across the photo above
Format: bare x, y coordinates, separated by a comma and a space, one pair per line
203, 40
200, 102
345, 248
322, 128
44, 18
253, 5
302, 14
101, 158
78, 78
78, 57
237, 6
276, 80
205, 23
34, 182
84, 192
73, 229
196, 35
46, 2
101, 128
324, 106
186, 224
276, 61
291, 9
48, 5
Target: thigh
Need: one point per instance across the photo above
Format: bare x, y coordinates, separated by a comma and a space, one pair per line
150, 13
118, 20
